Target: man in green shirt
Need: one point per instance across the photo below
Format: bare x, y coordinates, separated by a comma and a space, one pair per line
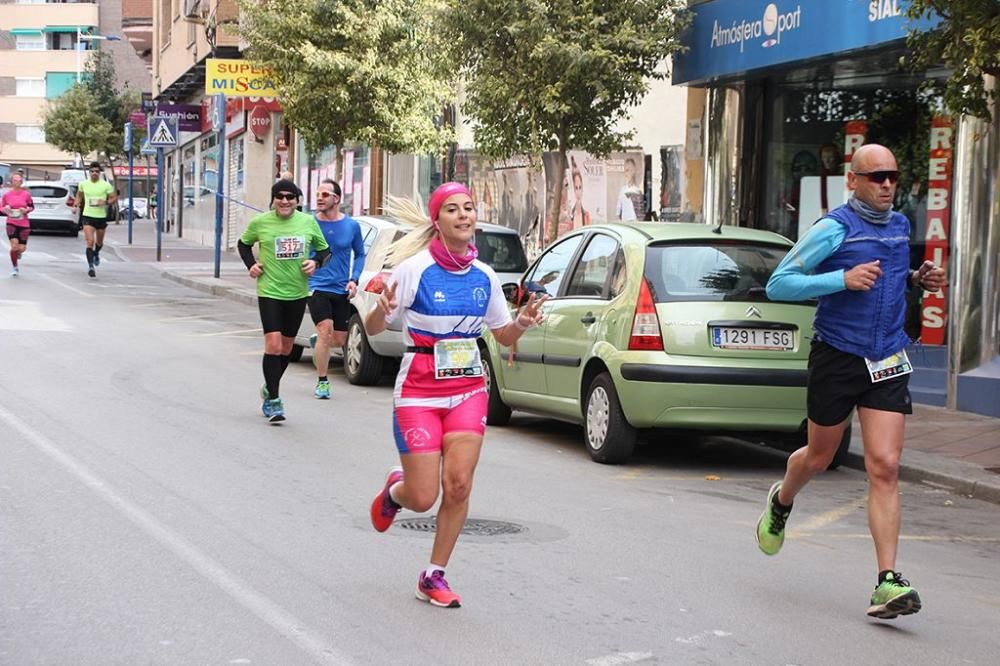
285, 238
94, 195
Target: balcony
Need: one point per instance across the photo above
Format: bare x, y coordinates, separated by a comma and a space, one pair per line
50, 14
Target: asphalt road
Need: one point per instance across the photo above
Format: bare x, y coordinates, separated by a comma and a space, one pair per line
149, 515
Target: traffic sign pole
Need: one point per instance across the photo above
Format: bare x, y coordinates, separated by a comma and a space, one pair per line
131, 199
219, 124
159, 201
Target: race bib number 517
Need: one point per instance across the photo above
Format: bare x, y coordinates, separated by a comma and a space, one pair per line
289, 247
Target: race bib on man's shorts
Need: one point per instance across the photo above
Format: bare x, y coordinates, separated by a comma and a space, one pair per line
896, 365
289, 247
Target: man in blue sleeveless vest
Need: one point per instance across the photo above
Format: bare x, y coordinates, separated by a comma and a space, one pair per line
856, 262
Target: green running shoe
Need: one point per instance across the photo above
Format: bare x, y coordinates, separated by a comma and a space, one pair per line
771, 526
322, 390
893, 597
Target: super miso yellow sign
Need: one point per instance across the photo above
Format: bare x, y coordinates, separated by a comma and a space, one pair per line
237, 78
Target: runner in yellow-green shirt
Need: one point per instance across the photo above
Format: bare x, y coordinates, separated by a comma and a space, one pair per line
95, 195
285, 238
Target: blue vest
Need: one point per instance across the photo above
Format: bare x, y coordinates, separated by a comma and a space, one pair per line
867, 323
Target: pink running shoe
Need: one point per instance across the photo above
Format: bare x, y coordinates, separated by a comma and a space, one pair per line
434, 588
384, 510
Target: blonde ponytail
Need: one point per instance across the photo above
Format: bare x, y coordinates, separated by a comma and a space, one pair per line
411, 214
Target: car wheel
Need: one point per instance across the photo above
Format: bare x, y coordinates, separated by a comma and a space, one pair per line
362, 365
497, 413
296, 354
610, 438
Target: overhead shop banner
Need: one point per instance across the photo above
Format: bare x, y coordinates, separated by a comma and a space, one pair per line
237, 78
731, 37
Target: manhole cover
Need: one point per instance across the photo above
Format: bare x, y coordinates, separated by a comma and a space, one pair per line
473, 526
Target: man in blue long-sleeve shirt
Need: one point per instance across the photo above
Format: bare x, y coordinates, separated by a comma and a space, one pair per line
334, 285
856, 262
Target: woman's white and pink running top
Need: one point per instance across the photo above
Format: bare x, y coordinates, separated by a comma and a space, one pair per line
436, 304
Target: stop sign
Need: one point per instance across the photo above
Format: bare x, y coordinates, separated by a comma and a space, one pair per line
260, 121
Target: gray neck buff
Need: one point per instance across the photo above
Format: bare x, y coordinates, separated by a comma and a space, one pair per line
867, 213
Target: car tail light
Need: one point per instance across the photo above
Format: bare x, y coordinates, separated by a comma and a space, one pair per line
645, 325
70, 201
377, 284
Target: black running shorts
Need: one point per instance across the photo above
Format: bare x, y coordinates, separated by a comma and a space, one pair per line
838, 382
20, 233
325, 305
96, 222
281, 316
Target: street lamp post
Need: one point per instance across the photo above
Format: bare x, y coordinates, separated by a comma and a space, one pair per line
80, 38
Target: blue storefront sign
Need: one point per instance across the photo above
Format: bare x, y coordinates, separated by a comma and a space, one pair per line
732, 37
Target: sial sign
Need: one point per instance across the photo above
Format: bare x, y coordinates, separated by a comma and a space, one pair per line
260, 122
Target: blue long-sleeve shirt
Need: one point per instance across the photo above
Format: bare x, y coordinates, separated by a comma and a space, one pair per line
794, 280
344, 238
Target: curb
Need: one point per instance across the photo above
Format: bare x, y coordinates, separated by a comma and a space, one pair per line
214, 286
956, 476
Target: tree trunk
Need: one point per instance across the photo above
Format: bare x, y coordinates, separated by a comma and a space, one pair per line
340, 165
555, 180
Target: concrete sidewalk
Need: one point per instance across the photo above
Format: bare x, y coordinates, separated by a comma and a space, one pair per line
959, 451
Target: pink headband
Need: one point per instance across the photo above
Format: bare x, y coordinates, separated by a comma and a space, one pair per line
443, 192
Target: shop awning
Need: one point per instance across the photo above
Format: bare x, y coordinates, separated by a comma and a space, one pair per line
26, 31
67, 28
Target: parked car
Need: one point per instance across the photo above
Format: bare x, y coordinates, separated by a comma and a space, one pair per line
365, 357
141, 209
53, 207
658, 326
377, 233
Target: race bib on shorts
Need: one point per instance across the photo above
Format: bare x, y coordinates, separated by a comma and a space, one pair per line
896, 365
455, 359
290, 247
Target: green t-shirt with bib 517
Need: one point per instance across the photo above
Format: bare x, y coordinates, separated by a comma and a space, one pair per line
284, 244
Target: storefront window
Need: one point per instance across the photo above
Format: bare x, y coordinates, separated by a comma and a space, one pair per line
814, 124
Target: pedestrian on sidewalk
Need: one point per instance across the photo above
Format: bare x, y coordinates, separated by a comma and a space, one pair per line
94, 196
443, 297
855, 260
334, 285
285, 238
16, 203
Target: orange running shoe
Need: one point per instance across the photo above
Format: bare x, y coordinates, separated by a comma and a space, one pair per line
434, 588
384, 510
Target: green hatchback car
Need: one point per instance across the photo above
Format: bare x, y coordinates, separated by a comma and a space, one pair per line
658, 325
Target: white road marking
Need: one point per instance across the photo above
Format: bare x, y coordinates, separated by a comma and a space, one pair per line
238, 331
66, 286
619, 658
282, 621
28, 316
829, 517
698, 638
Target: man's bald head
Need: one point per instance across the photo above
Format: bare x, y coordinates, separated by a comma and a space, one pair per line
871, 153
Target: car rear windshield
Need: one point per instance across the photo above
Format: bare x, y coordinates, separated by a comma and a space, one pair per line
502, 252
711, 271
48, 192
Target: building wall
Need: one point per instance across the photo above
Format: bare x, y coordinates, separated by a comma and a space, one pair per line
180, 43
130, 68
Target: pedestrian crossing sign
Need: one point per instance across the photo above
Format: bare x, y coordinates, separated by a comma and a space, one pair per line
162, 132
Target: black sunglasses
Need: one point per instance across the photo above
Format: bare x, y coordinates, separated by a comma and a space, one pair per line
286, 196
880, 176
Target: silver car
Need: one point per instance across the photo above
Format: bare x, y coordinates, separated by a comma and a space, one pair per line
53, 207
365, 357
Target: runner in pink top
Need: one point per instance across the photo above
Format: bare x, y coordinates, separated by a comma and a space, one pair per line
444, 298
16, 203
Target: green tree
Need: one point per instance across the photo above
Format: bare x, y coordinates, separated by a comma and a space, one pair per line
967, 41
558, 74
73, 123
353, 70
111, 103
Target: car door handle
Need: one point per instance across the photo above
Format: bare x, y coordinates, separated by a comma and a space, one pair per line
588, 318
